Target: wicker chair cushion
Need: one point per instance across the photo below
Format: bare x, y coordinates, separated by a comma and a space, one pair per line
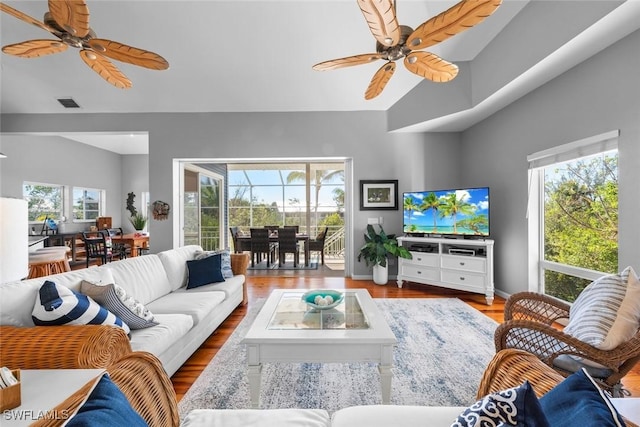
517, 406
59, 305
596, 309
225, 261
106, 406
578, 401
204, 271
116, 300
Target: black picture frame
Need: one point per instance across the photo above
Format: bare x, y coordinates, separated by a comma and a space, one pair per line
378, 195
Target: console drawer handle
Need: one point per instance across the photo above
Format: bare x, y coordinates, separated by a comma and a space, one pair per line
462, 263
461, 278
419, 272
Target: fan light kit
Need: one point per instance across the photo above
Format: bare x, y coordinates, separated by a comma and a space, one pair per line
68, 20
395, 41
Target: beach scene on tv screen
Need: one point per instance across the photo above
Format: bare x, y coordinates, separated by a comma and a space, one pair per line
462, 211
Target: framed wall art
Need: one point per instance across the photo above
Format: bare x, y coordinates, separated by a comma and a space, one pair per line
378, 195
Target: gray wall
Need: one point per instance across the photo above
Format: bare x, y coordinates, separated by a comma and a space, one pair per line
418, 161
56, 160
599, 95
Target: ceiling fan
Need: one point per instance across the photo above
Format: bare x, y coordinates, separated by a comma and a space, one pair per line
68, 20
395, 41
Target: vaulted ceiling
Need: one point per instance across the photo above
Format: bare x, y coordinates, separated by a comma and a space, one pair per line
256, 56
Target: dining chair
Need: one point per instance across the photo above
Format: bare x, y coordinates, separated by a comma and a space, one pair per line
97, 245
317, 244
119, 249
295, 227
260, 245
239, 246
287, 243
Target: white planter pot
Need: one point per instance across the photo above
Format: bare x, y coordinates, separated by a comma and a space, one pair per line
381, 274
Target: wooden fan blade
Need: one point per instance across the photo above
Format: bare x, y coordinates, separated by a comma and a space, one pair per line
430, 66
129, 54
71, 15
347, 62
24, 17
456, 19
105, 69
380, 80
381, 19
35, 48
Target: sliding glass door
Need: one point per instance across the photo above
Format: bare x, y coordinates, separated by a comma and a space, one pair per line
203, 198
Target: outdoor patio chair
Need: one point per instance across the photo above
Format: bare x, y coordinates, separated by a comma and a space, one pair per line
317, 244
260, 245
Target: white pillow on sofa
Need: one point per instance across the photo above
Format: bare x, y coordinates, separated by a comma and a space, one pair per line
612, 300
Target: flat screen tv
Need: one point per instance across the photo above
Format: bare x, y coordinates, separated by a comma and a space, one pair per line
456, 212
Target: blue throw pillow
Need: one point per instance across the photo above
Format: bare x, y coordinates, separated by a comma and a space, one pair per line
106, 406
225, 261
59, 305
517, 406
578, 401
204, 271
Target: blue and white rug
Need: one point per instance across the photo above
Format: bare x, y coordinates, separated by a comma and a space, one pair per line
444, 345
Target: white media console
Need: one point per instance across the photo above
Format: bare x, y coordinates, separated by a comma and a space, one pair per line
463, 264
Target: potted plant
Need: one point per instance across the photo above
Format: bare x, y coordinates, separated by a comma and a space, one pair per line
138, 221
377, 248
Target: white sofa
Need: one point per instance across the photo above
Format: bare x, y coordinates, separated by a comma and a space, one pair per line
355, 416
185, 317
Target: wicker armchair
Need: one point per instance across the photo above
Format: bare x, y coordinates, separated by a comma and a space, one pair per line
509, 368
531, 325
139, 375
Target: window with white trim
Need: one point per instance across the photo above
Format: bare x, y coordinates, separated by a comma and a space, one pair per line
573, 215
87, 204
44, 201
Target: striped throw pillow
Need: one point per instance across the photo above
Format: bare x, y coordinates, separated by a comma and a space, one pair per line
595, 310
59, 305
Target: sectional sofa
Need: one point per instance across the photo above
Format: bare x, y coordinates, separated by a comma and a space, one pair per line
182, 318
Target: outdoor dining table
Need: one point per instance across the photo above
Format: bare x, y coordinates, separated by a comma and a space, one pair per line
273, 237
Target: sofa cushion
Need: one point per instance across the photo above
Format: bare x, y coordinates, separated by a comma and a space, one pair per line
115, 299
225, 261
395, 415
204, 271
59, 305
175, 264
578, 401
106, 406
142, 277
594, 312
255, 417
198, 305
169, 330
517, 406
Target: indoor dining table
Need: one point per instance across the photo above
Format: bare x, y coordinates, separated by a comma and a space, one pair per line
273, 237
134, 240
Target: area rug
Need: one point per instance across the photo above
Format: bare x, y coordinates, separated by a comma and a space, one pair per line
443, 347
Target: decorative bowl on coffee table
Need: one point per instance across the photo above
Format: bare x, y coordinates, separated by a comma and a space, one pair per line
323, 299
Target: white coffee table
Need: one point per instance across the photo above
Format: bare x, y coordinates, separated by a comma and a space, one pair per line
286, 331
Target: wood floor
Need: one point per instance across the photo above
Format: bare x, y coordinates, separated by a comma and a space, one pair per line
260, 287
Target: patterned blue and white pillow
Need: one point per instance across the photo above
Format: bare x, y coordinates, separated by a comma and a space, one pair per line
225, 259
517, 406
58, 305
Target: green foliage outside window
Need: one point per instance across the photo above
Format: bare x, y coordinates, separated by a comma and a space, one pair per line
43, 201
581, 220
